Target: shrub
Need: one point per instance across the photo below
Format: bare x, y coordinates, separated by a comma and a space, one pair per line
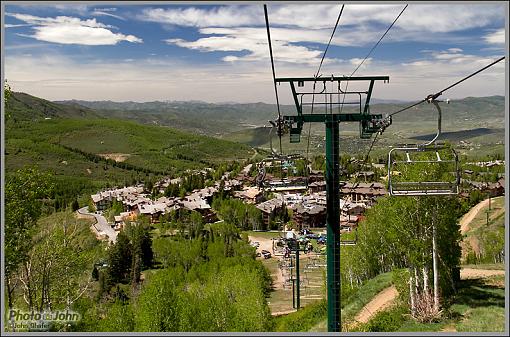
387, 321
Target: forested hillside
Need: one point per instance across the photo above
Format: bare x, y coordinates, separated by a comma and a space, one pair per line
460, 114
85, 153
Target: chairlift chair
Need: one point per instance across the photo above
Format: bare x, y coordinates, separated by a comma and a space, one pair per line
350, 242
432, 153
284, 160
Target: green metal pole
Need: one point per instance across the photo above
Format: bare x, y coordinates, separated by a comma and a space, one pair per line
333, 223
297, 279
292, 277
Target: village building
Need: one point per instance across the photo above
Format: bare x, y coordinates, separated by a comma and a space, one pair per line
363, 192
270, 209
152, 210
101, 201
309, 216
230, 185
349, 223
497, 189
195, 202
123, 218
315, 175
252, 195
317, 186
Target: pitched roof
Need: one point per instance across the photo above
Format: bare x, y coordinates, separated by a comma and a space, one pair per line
270, 205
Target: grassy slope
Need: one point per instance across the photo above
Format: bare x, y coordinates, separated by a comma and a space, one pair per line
157, 148
461, 120
474, 119
478, 307
318, 323
33, 140
27, 107
478, 226
462, 114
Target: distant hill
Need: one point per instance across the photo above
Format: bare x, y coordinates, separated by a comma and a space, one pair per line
87, 151
478, 120
222, 119
198, 117
27, 107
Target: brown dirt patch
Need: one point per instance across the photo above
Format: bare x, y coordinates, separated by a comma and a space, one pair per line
118, 157
267, 244
469, 273
380, 302
469, 216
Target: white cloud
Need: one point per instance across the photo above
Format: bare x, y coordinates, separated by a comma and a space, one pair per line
242, 28
71, 34
71, 30
15, 26
356, 61
423, 18
497, 37
254, 41
103, 13
229, 16
230, 58
36, 20
60, 77
71, 8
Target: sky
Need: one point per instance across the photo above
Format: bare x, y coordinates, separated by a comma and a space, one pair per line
219, 53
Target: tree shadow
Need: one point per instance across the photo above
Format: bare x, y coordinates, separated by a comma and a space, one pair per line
476, 293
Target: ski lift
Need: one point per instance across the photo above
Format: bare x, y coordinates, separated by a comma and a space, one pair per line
285, 162
416, 158
349, 242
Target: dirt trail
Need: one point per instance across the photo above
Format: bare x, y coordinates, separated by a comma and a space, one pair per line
469, 216
285, 312
471, 243
386, 297
380, 302
471, 273
267, 244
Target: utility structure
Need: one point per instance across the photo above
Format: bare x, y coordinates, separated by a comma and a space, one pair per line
295, 247
333, 115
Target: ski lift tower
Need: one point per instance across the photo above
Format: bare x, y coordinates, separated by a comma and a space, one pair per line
328, 98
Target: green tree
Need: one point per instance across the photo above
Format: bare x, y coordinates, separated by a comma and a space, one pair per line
75, 205
119, 318
119, 261
7, 97
397, 233
157, 304
24, 191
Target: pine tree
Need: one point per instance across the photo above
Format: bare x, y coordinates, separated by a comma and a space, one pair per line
120, 260
95, 273
75, 205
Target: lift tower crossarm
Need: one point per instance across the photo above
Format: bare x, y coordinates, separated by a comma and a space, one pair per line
299, 106
332, 79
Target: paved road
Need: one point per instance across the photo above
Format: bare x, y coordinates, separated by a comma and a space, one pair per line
101, 224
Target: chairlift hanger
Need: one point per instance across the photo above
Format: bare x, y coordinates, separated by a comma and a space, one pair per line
420, 188
275, 156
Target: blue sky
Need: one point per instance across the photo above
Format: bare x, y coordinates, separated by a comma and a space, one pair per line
219, 53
